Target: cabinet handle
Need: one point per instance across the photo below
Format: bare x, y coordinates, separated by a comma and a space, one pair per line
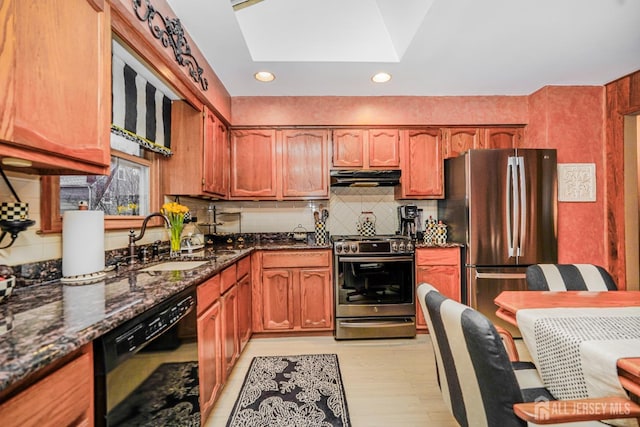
501, 275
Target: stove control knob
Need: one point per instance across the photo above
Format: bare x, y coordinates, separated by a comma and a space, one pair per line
338, 247
409, 247
394, 246
401, 247
354, 248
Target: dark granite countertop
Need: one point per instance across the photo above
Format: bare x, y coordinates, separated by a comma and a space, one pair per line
42, 323
446, 245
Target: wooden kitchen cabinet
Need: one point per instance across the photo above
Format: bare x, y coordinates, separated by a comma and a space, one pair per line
199, 165
228, 278
230, 344
348, 148
502, 137
456, 141
244, 301
422, 164
62, 397
305, 168
316, 307
229, 303
215, 156
294, 291
55, 85
220, 324
366, 148
210, 360
253, 164
275, 165
440, 267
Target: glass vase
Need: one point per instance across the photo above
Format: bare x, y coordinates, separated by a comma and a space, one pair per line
175, 240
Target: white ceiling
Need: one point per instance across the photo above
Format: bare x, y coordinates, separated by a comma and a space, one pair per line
431, 47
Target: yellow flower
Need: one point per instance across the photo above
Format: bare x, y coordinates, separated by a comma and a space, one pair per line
175, 214
174, 208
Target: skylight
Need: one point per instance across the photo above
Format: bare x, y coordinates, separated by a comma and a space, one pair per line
330, 30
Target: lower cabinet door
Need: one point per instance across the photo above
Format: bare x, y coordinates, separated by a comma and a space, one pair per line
244, 311
210, 357
277, 300
446, 278
315, 299
230, 346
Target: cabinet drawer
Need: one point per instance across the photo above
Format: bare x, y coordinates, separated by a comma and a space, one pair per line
244, 265
60, 398
228, 278
301, 258
208, 292
438, 256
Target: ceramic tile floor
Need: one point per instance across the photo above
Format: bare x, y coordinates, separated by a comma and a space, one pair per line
387, 382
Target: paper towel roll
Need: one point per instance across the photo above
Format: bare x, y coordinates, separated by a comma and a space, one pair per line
82, 242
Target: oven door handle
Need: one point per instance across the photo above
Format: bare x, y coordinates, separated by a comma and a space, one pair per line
376, 323
381, 258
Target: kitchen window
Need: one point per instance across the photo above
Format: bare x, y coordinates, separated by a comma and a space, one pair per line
126, 196
124, 192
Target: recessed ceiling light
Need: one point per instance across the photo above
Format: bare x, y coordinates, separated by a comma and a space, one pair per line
264, 76
381, 78
18, 163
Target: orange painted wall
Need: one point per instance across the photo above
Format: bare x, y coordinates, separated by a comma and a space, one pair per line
571, 119
380, 110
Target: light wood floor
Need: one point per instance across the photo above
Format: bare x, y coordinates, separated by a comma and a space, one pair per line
387, 382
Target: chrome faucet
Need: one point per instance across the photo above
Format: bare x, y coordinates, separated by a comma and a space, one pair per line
133, 238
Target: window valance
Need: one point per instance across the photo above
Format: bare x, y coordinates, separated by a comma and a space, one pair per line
140, 112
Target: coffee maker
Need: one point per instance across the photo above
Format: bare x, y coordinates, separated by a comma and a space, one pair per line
409, 220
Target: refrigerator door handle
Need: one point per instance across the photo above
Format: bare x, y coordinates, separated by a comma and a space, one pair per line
523, 206
511, 204
501, 275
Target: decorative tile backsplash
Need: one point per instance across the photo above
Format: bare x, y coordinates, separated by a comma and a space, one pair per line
345, 206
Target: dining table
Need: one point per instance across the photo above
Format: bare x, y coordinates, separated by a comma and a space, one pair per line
585, 344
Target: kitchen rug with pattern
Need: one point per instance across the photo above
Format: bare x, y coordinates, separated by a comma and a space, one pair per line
301, 391
168, 397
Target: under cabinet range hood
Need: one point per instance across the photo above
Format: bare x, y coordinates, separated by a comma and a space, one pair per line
365, 178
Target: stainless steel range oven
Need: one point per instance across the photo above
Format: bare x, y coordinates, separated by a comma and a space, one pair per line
374, 287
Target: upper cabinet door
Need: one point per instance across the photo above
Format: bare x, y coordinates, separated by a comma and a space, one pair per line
422, 164
383, 148
216, 155
55, 84
366, 148
348, 147
502, 137
253, 164
305, 170
456, 141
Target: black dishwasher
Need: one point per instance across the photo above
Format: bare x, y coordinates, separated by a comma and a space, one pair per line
146, 370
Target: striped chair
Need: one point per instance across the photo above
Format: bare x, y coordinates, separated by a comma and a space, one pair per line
479, 384
569, 277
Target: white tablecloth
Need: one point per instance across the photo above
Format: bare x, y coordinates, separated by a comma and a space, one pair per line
576, 349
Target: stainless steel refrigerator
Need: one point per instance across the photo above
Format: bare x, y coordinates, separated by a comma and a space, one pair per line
502, 204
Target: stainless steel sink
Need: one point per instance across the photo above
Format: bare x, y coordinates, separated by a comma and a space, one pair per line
174, 265
224, 252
